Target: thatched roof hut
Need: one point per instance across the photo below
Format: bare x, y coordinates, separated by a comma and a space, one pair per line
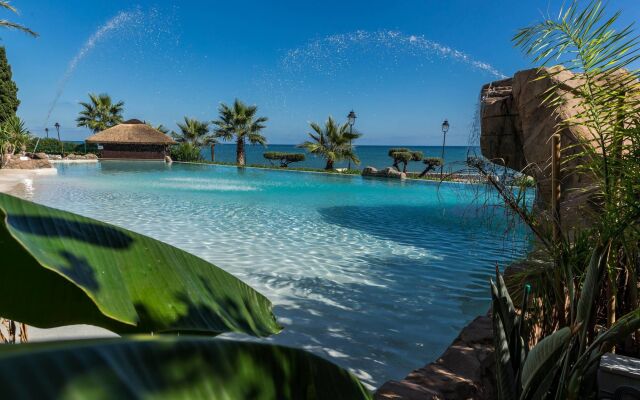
132, 139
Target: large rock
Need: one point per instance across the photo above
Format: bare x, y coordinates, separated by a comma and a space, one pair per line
16, 163
465, 370
516, 130
384, 173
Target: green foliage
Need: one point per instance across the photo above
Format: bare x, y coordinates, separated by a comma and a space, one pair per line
68, 269
404, 156
8, 90
194, 132
100, 113
186, 152
332, 142
12, 25
239, 123
284, 158
52, 146
172, 368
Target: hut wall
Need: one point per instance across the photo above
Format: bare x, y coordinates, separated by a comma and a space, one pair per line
134, 151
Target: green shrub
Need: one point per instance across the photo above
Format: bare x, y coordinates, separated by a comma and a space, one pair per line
284, 158
404, 156
186, 152
52, 146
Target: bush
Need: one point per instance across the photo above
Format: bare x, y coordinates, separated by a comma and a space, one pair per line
284, 158
186, 152
404, 156
52, 146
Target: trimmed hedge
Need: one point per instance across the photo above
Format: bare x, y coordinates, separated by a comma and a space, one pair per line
52, 146
284, 158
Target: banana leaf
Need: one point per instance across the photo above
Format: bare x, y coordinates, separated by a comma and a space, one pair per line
169, 367
60, 268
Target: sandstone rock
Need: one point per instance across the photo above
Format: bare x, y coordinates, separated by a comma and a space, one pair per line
168, 160
40, 156
15, 163
464, 371
385, 173
91, 156
516, 130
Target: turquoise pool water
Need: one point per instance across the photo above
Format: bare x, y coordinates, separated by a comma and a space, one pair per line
378, 276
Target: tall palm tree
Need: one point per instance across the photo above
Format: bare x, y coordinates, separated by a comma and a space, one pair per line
100, 113
196, 133
332, 142
239, 123
12, 25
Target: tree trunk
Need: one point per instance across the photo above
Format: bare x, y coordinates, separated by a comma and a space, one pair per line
240, 153
329, 165
213, 152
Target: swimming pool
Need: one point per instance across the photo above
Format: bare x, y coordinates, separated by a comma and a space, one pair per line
378, 276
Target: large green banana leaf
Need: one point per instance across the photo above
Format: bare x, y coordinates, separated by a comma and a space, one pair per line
170, 368
59, 268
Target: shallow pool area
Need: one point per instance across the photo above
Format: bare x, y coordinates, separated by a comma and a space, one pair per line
378, 276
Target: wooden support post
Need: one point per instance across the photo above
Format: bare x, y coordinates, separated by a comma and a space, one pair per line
555, 186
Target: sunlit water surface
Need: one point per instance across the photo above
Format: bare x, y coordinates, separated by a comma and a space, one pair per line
377, 276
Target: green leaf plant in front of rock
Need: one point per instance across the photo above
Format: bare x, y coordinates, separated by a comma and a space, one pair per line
60, 268
584, 279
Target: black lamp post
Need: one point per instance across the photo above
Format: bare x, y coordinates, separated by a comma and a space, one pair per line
46, 130
445, 129
351, 118
57, 125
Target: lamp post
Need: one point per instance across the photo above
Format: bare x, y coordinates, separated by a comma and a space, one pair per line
46, 130
445, 129
57, 125
351, 118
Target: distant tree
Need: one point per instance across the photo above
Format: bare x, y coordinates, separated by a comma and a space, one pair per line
196, 133
404, 156
12, 25
8, 90
331, 142
239, 123
100, 113
430, 164
284, 158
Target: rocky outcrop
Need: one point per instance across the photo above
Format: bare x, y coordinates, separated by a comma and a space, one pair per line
384, 173
516, 130
465, 370
17, 163
88, 156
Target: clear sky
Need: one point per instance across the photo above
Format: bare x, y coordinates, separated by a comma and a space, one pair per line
403, 66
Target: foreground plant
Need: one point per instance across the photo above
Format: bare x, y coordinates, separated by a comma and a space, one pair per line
332, 142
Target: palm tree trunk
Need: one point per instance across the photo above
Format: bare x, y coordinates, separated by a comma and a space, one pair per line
240, 153
213, 152
329, 164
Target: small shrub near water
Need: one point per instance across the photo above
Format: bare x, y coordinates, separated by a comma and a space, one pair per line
187, 152
52, 146
284, 158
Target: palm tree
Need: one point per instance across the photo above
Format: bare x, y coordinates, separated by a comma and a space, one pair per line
332, 142
13, 25
100, 113
196, 133
239, 123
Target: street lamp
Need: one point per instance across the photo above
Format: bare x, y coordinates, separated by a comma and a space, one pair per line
46, 130
351, 118
57, 125
445, 129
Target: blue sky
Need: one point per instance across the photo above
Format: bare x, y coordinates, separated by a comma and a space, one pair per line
299, 61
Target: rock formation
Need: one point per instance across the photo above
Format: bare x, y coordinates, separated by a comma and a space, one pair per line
384, 173
516, 130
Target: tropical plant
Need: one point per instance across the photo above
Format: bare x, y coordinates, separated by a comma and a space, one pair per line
9, 101
68, 269
283, 158
404, 156
100, 113
12, 25
331, 142
186, 152
430, 163
14, 136
239, 123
